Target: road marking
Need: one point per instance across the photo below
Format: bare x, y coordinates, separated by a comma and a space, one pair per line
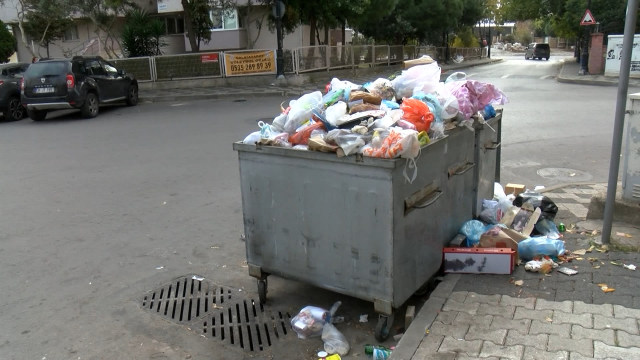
470, 75
506, 76
178, 104
545, 77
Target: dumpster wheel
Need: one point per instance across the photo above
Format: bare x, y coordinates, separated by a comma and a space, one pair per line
262, 291
382, 327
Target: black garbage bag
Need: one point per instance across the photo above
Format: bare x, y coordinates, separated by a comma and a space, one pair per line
537, 200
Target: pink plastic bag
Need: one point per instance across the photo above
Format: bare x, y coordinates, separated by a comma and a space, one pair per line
474, 95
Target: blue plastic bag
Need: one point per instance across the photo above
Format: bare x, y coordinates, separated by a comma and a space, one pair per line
532, 247
472, 229
433, 102
391, 104
489, 112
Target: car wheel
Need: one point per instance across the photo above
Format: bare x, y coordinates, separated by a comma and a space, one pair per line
37, 115
14, 111
90, 107
547, 58
132, 95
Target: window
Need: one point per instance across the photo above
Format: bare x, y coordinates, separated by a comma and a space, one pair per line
224, 20
47, 68
111, 71
71, 33
174, 25
94, 68
13, 72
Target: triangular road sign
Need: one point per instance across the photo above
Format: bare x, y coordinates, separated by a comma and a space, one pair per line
588, 18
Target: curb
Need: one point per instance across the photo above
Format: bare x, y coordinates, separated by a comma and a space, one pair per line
463, 65
157, 99
412, 338
562, 186
566, 80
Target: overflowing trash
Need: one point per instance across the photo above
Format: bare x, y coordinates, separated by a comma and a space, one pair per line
385, 118
310, 321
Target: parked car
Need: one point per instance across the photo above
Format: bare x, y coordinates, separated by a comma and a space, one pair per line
538, 51
10, 77
84, 83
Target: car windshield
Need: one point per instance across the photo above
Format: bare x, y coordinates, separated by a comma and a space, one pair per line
46, 68
542, 46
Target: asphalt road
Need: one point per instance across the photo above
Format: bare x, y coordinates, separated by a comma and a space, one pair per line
97, 212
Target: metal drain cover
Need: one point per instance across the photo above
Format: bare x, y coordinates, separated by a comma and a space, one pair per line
218, 312
247, 324
186, 299
565, 175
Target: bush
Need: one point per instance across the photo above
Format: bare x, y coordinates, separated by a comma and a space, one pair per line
509, 38
8, 43
465, 39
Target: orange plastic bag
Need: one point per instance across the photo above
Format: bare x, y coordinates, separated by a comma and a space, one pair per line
417, 113
302, 136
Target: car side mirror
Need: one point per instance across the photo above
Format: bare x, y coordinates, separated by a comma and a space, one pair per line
121, 72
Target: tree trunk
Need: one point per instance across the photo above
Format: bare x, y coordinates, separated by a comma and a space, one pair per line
195, 46
48, 56
343, 56
312, 31
326, 35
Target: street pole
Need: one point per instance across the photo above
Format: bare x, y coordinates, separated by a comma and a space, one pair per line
279, 54
618, 126
584, 70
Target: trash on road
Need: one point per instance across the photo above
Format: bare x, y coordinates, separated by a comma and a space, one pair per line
629, 266
334, 340
364, 318
479, 260
624, 234
606, 288
518, 282
378, 352
565, 270
543, 265
532, 247
159, 267
310, 321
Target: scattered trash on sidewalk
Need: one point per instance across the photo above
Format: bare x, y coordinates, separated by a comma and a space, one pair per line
543, 266
624, 235
377, 352
334, 341
518, 282
567, 271
310, 321
606, 288
197, 278
160, 268
629, 266
364, 318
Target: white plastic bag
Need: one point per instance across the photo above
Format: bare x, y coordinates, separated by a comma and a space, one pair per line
278, 122
337, 84
252, 138
334, 341
501, 197
449, 103
301, 110
311, 319
422, 76
335, 112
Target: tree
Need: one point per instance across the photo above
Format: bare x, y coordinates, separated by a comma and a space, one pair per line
142, 35
45, 29
200, 21
193, 17
8, 43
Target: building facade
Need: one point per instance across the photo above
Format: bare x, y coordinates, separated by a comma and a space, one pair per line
230, 32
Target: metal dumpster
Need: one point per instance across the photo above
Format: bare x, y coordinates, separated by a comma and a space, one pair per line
354, 225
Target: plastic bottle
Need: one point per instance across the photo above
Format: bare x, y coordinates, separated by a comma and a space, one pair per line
369, 349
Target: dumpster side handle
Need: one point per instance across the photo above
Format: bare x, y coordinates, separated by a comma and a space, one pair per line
422, 198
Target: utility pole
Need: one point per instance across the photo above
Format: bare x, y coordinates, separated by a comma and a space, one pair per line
279, 54
618, 125
584, 62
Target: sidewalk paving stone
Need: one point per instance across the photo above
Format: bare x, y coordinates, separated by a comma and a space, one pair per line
621, 312
565, 306
482, 321
456, 331
584, 320
480, 333
582, 346
628, 325
606, 335
515, 337
525, 303
602, 350
580, 307
544, 327
542, 315
531, 353
467, 357
446, 317
453, 305
506, 311
505, 352
483, 299
509, 324
625, 339
471, 348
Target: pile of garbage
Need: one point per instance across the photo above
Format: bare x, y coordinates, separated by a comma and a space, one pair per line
523, 222
383, 119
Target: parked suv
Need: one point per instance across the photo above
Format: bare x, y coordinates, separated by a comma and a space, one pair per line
10, 77
82, 83
538, 51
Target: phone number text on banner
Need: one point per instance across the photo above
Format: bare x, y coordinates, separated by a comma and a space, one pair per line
247, 63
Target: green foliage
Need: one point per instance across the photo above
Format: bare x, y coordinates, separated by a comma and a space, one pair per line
142, 35
523, 32
465, 38
7, 43
509, 38
201, 20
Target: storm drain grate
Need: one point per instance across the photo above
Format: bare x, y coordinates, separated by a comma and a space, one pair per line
186, 299
247, 324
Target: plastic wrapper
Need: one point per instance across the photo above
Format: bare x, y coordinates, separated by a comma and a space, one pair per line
335, 112
433, 102
406, 125
501, 197
543, 266
389, 105
423, 77
448, 102
417, 113
277, 139
537, 200
346, 140
321, 133
334, 341
437, 130
456, 76
491, 212
332, 97
399, 143
363, 107
302, 110
355, 102
547, 228
489, 112
301, 147
302, 136
473, 96
537, 246
382, 88
385, 122
252, 138
337, 84
310, 320
366, 97
423, 138
278, 122
472, 229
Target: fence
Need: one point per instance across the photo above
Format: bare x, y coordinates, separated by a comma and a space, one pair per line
298, 60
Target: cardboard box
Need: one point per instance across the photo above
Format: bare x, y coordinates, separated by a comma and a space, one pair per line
479, 260
501, 241
515, 189
426, 59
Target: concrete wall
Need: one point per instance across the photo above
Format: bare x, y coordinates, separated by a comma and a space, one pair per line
222, 40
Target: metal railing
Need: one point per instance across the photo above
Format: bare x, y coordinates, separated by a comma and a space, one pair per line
299, 60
